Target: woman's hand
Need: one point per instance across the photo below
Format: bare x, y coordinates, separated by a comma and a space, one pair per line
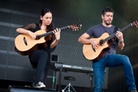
57, 33
33, 35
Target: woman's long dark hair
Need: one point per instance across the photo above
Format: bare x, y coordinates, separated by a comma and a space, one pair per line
43, 12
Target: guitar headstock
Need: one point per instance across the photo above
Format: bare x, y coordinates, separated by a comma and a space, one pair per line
75, 27
135, 23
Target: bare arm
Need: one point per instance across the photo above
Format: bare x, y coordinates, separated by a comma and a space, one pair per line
121, 43
25, 31
22, 30
57, 35
84, 39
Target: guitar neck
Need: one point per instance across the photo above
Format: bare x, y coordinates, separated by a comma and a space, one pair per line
113, 35
51, 32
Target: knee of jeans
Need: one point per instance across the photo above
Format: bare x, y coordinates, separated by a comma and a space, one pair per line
125, 60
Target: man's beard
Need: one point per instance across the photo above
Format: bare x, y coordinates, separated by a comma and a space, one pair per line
108, 23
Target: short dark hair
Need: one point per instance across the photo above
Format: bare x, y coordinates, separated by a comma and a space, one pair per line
107, 9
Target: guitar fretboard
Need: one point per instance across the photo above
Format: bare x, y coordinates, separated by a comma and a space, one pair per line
113, 35
51, 32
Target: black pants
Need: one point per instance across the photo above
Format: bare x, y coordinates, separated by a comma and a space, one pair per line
40, 60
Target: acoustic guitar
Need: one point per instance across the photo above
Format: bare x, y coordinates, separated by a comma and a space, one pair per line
94, 54
24, 44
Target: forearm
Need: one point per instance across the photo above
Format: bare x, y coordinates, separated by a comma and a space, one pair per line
121, 44
54, 43
22, 30
120, 37
84, 41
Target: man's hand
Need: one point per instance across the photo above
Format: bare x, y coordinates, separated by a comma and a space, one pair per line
119, 35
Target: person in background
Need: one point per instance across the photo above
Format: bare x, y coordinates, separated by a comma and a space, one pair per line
40, 57
109, 58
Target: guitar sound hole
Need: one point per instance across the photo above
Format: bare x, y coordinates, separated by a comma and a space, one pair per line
25, 41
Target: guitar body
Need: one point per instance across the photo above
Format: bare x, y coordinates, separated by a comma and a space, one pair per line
24, 43
91, 54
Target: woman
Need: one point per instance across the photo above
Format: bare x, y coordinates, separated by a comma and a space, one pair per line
40, 58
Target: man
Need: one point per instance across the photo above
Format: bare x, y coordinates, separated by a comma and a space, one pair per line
109, 58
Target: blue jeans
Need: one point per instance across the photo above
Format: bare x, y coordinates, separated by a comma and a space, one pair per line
112, 60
